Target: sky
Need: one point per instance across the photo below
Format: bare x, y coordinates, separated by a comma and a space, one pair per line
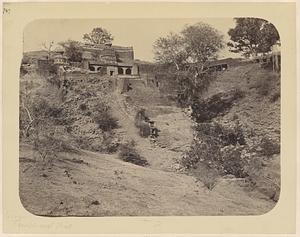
139, 33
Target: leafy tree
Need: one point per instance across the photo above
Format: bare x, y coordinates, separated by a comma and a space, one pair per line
252, 36
170, 50
202, 43
195, 44
73, 50
98, 36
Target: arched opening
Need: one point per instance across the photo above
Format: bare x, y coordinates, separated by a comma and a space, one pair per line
128, 71
120, 70
92, 68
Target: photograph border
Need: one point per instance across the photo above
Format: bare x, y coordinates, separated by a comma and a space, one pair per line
280, 220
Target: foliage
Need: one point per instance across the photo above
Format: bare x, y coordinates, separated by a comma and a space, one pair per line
252, 36
128, 153
170, 50
42, 125
219, 150
207, 175
73, 50
216, 151
105, 121
202, 42
98, 35
103, 117
196, 43
269, 147
185, 87
218, 104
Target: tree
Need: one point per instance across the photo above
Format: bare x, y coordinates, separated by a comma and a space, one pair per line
196, 44
98, 36
48, 47
73, 50
170, 50
203, 43
252, 36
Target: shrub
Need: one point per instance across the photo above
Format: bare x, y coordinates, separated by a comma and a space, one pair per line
231, 161
128, 153
215, 151
220, 134
269, 147
83, 107
207, 175
218, 104
106, 122
109, 144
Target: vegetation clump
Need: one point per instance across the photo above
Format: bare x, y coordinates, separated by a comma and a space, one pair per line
128, 153
207, 109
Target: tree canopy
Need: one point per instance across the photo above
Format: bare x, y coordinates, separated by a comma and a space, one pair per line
251, 36
203, 42
98, 35
72, 50
194, 44
170, 50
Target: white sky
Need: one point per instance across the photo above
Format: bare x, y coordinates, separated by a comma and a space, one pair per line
139, 33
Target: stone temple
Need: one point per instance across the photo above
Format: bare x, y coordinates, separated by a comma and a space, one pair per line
109, 59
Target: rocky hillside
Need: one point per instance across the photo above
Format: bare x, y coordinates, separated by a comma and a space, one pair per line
254, 116
94, 181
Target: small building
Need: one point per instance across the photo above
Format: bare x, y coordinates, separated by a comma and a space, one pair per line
60, 59
109, 59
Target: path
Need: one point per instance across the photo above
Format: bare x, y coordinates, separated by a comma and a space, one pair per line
174, 137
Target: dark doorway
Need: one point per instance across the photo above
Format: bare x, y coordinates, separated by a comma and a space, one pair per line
128, 71
91, 68
120, 70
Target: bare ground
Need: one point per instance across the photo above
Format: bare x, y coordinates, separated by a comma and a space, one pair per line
91, 184
95, 184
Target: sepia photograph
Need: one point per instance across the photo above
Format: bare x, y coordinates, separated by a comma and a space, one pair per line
150, 117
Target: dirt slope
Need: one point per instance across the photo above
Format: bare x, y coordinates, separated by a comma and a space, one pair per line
174, 137
93, 184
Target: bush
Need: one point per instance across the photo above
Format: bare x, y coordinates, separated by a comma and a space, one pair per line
269, 147
109, 144
128, 153
216, 150
219, 134
218, 104
231, 161
83, 107
207, 175
105, 121
49, 145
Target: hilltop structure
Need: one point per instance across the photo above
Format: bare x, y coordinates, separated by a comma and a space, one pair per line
114, 60
103, 58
